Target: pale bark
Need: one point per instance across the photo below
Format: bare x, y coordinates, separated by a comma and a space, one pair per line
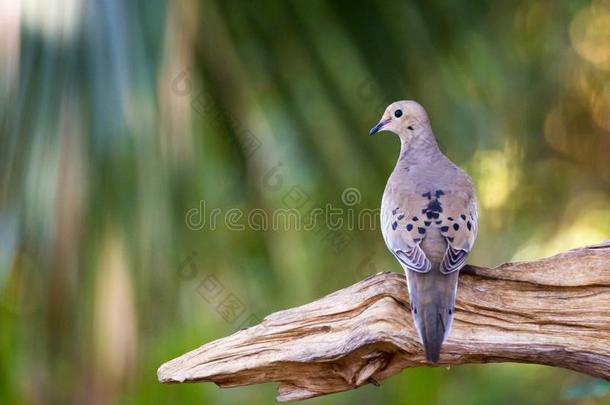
553, 311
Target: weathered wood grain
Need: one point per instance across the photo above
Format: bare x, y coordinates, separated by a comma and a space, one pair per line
553, 311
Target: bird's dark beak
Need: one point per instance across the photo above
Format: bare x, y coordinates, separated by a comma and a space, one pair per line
379, 126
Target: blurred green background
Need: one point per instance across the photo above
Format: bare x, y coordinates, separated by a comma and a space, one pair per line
119, 120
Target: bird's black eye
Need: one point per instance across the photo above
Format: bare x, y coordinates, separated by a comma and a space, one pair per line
398, 113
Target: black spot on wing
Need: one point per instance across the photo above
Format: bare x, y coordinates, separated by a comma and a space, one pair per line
431, 214
435, 206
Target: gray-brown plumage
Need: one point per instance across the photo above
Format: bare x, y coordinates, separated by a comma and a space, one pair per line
428, 221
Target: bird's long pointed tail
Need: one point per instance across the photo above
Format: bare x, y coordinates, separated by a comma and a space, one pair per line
432, 297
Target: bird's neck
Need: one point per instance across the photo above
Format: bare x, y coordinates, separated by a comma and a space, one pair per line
417, 147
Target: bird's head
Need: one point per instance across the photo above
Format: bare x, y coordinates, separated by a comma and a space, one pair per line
405, 118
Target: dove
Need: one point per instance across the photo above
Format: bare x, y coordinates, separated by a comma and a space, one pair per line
428, 221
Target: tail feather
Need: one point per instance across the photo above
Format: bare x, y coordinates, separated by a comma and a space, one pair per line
433, 332
432, 297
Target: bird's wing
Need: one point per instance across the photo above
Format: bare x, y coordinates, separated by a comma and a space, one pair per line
405, 221
459, 227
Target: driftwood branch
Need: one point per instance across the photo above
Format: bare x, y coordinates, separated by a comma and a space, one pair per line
553, 311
